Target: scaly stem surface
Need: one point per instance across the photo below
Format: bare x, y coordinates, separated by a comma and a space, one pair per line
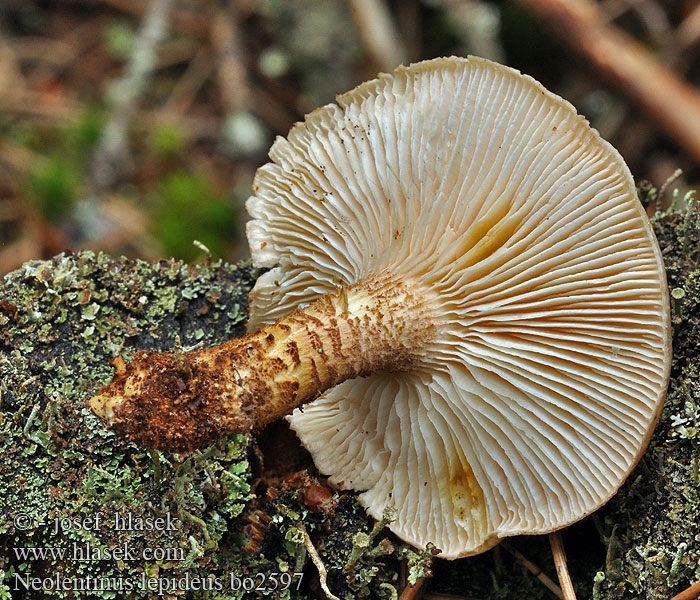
181, 401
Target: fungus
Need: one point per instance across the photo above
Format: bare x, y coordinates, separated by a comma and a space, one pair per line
465, 290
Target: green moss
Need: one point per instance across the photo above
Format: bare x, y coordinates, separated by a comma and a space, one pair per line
55, 182
167, 140
211, 216
53, 186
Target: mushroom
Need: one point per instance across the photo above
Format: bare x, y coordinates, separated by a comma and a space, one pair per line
465, 290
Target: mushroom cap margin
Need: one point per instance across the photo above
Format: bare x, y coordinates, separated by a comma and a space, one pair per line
511, 186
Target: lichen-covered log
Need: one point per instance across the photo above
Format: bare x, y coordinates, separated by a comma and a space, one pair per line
86, 514
61, 321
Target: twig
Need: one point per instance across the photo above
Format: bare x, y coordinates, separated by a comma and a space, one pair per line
244, 132
662, 190
50, 55
182, 20
688, 32
535, 570
410, 592
664, 96
18, 157
438, 596
111, 154
610, 551
185, 89
269, 107
10, 73
562, 568
378, 33
316, 559
231, 72
54, 52
30, 104
690, 593
650, 13
17, 97
155, 457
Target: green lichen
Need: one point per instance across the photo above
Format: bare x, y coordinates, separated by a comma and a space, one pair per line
336, 532
362, 542
66, 483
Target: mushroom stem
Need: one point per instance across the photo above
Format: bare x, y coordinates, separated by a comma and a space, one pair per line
690, 593
180, 401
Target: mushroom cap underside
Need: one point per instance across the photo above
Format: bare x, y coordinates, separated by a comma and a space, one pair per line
540, 392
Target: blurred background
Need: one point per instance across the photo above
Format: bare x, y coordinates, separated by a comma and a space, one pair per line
136, 126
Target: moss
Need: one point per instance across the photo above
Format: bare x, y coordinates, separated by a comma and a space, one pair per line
210, 219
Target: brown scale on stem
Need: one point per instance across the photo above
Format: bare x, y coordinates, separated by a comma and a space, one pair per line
182, 401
